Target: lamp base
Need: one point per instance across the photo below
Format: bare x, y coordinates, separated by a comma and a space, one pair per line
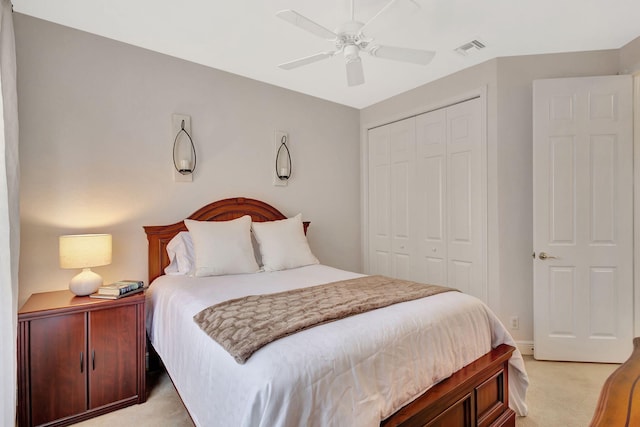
85, 283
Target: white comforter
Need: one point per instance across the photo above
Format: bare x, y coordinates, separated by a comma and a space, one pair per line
353, 372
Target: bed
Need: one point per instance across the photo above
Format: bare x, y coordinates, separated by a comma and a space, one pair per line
447, 363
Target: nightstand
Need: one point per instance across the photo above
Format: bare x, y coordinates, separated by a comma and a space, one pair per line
79, 357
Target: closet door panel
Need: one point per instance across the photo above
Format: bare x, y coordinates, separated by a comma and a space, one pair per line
427, 190
400, 220
402, 157
461, 275
460, 199
379, 202
431, 168
465, 204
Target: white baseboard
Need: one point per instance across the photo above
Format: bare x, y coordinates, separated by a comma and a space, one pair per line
525, 347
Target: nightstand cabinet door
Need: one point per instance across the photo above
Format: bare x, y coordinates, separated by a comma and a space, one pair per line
79, 357
112, 358
58, 367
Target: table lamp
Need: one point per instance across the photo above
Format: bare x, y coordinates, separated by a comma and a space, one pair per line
85, 251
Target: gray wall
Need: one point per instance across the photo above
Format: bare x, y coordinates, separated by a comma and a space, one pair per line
508, 83
630, 57
96, 141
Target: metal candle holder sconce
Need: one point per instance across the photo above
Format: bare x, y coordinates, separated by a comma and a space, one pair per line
283, 160
184, 165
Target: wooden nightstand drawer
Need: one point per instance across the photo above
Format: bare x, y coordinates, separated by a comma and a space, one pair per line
79, 357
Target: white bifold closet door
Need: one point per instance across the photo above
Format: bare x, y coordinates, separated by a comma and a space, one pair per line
427, 210
391, 187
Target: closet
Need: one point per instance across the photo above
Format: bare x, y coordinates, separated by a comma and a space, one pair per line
427, 198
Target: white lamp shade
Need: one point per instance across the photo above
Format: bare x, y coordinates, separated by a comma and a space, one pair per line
85, 250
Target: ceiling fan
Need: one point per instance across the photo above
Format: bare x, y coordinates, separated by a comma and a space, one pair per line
349, 39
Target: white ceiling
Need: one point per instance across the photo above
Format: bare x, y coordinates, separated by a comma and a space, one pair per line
245, 37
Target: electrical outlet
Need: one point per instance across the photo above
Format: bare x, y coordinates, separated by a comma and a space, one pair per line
515, 322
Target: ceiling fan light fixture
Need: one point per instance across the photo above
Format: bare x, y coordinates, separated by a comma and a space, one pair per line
355, 73
351, 53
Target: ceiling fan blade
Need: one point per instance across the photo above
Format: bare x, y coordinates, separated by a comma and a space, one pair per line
395, 11
307, 24
355, 74
415, 56
306, 60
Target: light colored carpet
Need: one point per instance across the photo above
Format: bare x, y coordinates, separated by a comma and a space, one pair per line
162, 408
563, 393
560, 394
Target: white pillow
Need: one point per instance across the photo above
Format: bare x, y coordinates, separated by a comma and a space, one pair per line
222, 247
182, 258
283, 244
181, 255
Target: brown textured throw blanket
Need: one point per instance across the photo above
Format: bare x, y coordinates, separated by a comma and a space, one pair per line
244, 325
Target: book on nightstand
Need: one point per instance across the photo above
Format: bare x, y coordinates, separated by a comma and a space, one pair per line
126, 294
119, 289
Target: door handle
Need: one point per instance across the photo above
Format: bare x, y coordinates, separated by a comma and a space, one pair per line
544, 255
93, 360
81, 362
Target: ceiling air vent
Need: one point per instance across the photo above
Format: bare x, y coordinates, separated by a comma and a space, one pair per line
466, 48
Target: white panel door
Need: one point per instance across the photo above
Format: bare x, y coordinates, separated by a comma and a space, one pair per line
402, 143
391, 176
583, 219
431, 220
379, 202
450, 206
465, 199
427, 191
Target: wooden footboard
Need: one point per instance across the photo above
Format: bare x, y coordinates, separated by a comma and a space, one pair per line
476, 395
619, 403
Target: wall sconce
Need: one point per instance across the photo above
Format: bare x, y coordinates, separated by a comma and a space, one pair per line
85, 251
283, 159
184, 151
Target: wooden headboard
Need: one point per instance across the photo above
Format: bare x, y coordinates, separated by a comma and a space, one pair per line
222, 210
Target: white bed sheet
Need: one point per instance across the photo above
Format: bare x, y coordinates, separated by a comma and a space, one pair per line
353, 372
